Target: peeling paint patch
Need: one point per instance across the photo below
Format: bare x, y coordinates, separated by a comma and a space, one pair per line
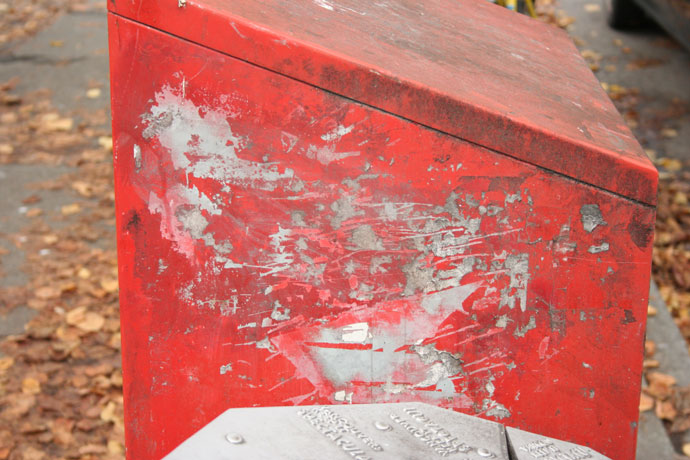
356, 333
443, 364
136, 153
364, 237
591, 217
343, 396
521, 331
279, 312
495, 409
337, 133
205, 146
596, 249
225, 368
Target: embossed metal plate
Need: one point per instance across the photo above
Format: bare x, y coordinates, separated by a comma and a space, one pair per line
403, 431
528, 446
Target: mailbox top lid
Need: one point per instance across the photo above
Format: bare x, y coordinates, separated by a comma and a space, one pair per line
467, 68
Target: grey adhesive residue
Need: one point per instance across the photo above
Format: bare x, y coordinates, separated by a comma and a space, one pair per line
596, 249
365, 238
591, 217
521, 331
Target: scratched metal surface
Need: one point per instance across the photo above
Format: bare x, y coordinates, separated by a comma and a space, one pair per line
358, 432
281, 245
465, 67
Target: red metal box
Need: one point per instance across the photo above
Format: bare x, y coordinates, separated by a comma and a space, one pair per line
328, 201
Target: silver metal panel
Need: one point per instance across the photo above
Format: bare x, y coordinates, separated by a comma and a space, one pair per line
406, 431
528, 446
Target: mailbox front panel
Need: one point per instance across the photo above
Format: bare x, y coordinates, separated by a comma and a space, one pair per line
281, 245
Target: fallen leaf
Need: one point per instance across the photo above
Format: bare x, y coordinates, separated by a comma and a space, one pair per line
670, 164
53, 122
651, 311
34, 212
47, 293
669, 132
31, 386
106, 142
646, 402
93, 93
6, 149
109, 285
70, 209
31, 453
83, 188
6, 362
115, 447
592, 7
665, 410
57, 43
686, 449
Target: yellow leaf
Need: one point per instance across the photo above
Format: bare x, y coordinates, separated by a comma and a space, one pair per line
84, 273
92, 322
108, 412
70, 209
76, 315
47, 293
646, 403
109, 285
31, 386
115, 447
83, 188
106, 142
6, 362
93, 93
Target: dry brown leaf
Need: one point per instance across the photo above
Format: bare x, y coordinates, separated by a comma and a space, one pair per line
686, 449
665, 410
93, 93
109, 285
646, 402
47, 293
651, 311
106, 142
6, 362
31, 453
50, 239
33, 212
31, 386
114, 447
650, 364
83, 188
70, 209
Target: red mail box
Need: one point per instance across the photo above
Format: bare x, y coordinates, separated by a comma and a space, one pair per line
335, 201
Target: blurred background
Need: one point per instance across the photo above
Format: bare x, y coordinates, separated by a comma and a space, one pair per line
60, 377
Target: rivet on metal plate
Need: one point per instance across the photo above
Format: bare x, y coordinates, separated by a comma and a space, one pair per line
234, 438
382, 426
484, 452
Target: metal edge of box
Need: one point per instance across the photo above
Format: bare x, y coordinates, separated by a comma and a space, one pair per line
634, 178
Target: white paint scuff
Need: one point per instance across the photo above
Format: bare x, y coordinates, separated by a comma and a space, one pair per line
356, 333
